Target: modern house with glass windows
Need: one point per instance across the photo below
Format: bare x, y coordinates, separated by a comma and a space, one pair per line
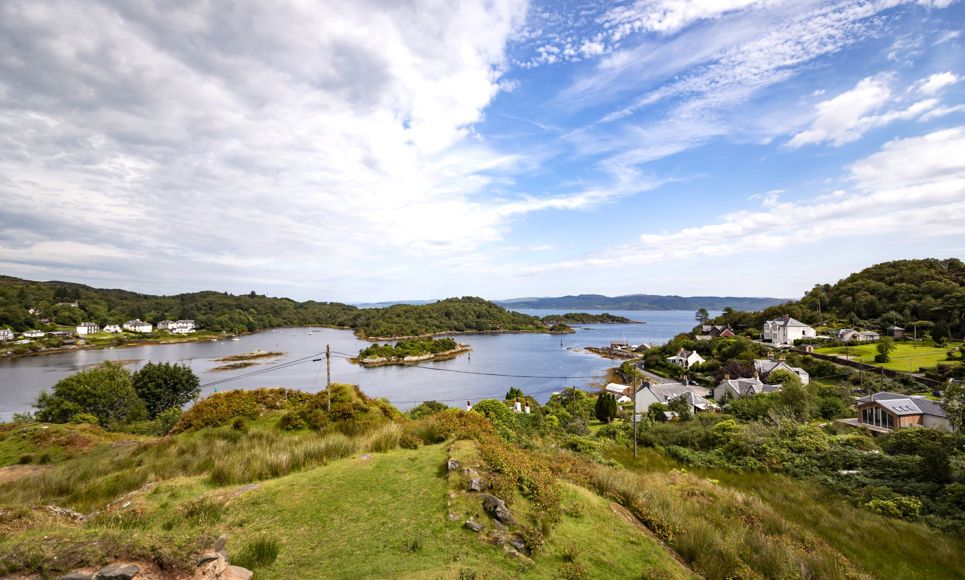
890, 411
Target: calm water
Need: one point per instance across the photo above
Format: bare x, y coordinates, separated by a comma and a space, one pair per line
539, 363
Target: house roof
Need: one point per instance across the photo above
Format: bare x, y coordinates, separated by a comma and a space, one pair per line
617, 388
786, 321
904, 404
765, 366
694, 399
745, 386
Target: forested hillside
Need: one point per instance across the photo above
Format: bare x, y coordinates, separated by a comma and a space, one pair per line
221, 311
926, 293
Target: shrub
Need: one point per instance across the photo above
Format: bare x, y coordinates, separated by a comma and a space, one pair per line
106, 392
88, 418
426, 409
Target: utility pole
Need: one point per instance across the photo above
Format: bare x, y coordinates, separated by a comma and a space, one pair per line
328, 375
636, 381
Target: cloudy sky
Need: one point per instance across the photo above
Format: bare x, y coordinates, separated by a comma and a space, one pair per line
372, 150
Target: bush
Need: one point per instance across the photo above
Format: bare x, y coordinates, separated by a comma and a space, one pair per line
165, 386
426, 409
82, 418
105, 392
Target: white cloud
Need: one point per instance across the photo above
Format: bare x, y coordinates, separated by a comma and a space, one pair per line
668, 16
933, 84
849, 115
911, 187
298, 141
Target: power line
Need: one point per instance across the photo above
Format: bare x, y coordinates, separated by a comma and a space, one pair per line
507, 375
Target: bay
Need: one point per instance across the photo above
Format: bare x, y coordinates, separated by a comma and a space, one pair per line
539, 364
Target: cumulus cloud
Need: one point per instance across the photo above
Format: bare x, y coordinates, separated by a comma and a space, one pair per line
936, 82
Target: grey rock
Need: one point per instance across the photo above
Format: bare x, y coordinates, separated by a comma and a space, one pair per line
519, 544
117, 572
452, 464
475, 484
473, 525
496, 508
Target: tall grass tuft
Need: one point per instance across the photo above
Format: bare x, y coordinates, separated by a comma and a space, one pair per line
385, 438
257, 553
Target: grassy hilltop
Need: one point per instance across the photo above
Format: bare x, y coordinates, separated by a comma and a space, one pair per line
362, 490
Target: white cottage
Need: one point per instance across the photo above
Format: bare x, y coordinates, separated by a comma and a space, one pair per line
765, 367
85, 328
685, 358
6, 334
112, 328
137, 326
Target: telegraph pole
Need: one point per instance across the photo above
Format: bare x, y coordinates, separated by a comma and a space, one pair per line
636, 381
328, 375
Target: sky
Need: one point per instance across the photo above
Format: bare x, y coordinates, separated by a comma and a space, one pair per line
374, 151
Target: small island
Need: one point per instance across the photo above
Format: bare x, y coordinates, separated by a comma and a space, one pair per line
587, 318
410, 351
244, 360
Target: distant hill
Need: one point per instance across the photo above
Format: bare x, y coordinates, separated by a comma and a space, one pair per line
643, 302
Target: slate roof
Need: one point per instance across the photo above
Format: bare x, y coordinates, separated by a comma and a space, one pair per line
786, 322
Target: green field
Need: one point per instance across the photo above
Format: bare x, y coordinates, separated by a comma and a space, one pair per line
907, 356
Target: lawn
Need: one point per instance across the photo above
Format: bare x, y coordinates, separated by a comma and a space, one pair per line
907, 356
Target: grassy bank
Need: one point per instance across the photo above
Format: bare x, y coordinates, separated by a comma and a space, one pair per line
907, 357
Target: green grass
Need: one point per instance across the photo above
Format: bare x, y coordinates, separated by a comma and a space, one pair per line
907, 356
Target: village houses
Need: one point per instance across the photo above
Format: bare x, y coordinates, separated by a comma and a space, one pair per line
112, 329
685, 359
786, 330
6, 334
666, 392
177, 326
712, 331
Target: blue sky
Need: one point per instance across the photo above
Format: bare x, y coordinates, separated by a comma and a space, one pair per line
364, 151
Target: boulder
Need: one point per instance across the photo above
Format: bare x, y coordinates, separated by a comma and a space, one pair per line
475, 484
473, 525
117, 571
237, 573
452, 464
496, 508
519, 544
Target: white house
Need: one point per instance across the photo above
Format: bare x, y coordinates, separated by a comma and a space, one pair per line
33, 334
765, 367
137, 326
685, 358
112, 328
6, 334
697, 403
737, 388
786, 330
87, 328
852, 335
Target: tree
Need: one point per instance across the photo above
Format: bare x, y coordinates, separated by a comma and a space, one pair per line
885, 346
702, 315
794, 397
165, 386
105, 392
953, 403
681, 405
940, 332
606, 407
427, 408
